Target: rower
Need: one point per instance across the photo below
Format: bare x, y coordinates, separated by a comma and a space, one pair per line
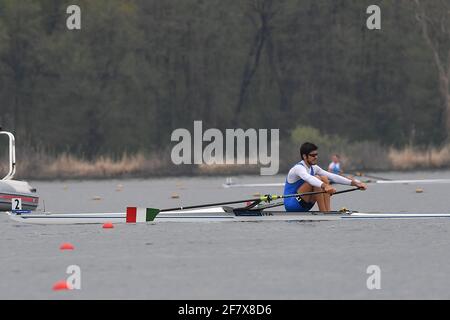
307, 176
335, 165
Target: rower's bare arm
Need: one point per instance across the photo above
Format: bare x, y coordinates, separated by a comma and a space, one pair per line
328, 188
359, 184
336, 178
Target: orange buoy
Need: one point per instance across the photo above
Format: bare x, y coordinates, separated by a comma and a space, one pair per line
61, 285
67, 246
108, 225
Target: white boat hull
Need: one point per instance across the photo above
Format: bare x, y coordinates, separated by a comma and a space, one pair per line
218, 214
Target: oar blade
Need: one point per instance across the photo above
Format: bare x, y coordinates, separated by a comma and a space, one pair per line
151, 214
131, 215
139, 215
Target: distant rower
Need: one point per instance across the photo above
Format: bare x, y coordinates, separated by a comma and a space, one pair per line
335, 165
307, 176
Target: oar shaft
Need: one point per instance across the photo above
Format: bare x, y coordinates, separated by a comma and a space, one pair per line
345, 191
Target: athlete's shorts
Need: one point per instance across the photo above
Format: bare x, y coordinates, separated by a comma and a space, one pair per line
297, 205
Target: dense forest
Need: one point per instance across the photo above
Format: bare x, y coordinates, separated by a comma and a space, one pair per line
138, 69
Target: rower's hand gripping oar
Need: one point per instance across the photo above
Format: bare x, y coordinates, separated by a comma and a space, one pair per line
149, 214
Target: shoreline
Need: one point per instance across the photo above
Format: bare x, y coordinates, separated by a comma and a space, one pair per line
146, 176
41, 166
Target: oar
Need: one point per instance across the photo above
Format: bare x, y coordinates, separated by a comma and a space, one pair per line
347, 190
150, 213
266, 198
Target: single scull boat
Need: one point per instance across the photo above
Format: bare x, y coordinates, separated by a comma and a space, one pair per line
254, 211
216, 214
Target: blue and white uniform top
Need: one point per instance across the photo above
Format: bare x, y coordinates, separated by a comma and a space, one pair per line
301, 173
334, 167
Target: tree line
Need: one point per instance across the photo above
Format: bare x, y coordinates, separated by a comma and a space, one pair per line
139, 69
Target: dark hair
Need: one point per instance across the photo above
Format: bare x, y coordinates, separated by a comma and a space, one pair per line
307, 148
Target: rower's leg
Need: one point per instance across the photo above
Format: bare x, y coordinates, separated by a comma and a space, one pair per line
320, 199
326, 196
306, 187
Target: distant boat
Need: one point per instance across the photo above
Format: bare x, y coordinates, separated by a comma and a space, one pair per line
15, 189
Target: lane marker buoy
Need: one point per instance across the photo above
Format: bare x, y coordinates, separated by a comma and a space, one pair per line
108, 225
66, 246
61, 285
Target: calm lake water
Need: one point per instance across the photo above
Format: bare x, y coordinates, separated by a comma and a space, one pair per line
266, 260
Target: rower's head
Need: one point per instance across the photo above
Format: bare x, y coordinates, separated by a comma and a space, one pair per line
335, 158
308, 153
